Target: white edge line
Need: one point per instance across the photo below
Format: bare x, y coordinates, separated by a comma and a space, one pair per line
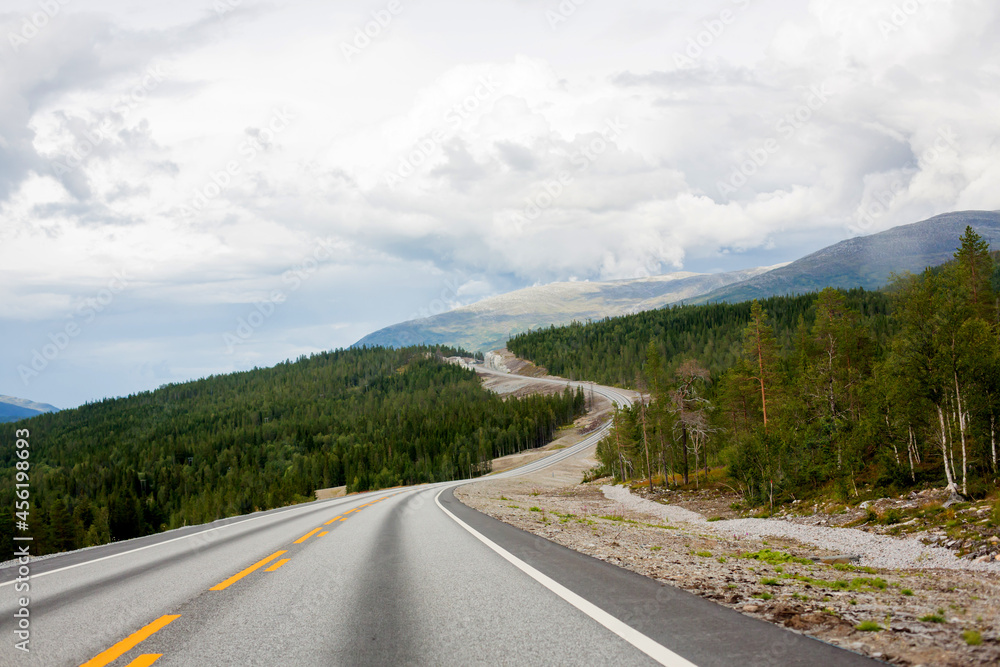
654, 650
160, 544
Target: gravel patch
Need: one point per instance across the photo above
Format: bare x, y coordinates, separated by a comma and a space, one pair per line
880, 551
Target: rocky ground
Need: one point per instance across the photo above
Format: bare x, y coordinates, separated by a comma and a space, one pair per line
924, 588
914, 616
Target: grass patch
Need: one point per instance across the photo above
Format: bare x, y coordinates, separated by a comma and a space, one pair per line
703, 554
932, 618
868, 626
906, 591
722, 559
770, 582
534, 509
763, 596
716, 518
772, 557
972, 637
655, 548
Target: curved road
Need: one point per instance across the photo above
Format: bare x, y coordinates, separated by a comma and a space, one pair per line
396, 577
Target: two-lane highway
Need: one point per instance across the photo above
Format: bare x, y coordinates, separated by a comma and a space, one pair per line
396, 577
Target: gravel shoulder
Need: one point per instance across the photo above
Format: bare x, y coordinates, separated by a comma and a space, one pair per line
926, 615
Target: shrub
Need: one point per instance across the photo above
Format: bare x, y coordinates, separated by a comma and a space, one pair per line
869, 626
972, 637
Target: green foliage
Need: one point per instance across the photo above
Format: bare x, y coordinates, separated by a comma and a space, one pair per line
772, 557
972, 637
934, 618
808, 396
868, 626
226, 445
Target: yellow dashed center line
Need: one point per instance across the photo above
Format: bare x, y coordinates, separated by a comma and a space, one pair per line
130, 642
236, 577
307, 535
145, 660
336, 518
322, 534
277, 565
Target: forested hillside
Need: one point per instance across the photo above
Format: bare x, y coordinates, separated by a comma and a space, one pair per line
614, 350
226, 445
824, 392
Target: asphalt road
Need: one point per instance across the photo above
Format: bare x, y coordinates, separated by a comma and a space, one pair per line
398, 577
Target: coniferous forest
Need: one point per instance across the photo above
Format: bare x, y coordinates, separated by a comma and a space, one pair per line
231, 444
808, 394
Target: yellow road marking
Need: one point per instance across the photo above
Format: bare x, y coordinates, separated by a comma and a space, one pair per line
145, 660
236, 577
130, 642
277, 565
336, 518
322, 534
307, 535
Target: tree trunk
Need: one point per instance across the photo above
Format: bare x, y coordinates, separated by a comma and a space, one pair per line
684, 446
993, 441
961, 432
944, 452
909, 452
645, 441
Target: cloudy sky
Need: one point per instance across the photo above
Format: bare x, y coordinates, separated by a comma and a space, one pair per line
201, 186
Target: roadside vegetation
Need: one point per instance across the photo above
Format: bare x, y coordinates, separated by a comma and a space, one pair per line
836, 395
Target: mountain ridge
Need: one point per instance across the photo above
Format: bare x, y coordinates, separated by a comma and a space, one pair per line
14, 409
487, 324
865, 261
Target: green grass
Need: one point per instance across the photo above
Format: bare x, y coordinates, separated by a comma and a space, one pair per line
772, 557
972, 637
534, 509
770, 582
619, 517
906, 591
703, 554
933, 618
716, 518
763, 596
655, 548
868, 626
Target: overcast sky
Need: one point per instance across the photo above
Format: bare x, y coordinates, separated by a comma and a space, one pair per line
201, 186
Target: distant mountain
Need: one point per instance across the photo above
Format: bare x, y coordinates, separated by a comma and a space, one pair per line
866, 261
487, 324
12, 409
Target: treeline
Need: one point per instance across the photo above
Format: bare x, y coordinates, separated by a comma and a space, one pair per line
805, 394
231, 444
614, 350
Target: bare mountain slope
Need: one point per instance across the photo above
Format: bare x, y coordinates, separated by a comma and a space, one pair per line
487, 324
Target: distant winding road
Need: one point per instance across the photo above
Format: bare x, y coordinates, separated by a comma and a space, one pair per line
405, 576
